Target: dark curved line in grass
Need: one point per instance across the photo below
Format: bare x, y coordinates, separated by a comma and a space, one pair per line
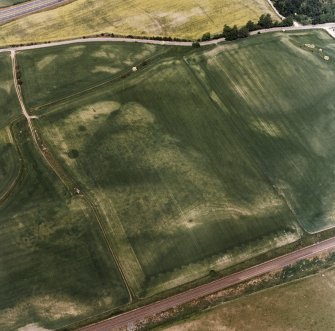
20, 175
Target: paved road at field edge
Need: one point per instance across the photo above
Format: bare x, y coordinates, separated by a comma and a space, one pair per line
329, 27
134, 316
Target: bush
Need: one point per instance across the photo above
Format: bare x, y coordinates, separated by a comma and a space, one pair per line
206, 36
265, 21
230, 33
243, 32
251, 26
288, 21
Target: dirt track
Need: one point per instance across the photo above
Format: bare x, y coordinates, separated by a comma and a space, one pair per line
328, 27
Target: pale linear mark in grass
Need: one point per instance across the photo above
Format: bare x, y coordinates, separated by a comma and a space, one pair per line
10, 135
108, 69
86, 115
50, 307
32, 327
280, 194
197, 71
200, 269
254, 78
103, 53
48, 59
264, 126
262, 101
96, 86
123, 240
215, 101
157, 172
6, 86
184, 212
76, 51
170, 193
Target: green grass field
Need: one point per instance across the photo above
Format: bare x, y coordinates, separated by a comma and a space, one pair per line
197, 161
280, 96
55, 267
305, 305
82, 66
183, 19
194, 161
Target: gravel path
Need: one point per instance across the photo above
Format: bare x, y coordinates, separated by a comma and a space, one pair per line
329, 27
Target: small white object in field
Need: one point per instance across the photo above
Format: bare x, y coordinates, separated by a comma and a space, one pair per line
327, 58
320, 50
283, 30
134, 69
310, 45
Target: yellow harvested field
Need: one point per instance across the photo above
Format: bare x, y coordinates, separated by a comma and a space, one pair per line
175, 18
304, 305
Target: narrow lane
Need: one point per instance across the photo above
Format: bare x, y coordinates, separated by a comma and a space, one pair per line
328, 27
19, 96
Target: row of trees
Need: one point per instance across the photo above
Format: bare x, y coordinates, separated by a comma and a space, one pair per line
264, 22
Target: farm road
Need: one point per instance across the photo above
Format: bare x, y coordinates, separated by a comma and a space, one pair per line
18, 92
328, 27
134, 316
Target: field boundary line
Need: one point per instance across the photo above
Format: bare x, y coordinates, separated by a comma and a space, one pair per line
266, 178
